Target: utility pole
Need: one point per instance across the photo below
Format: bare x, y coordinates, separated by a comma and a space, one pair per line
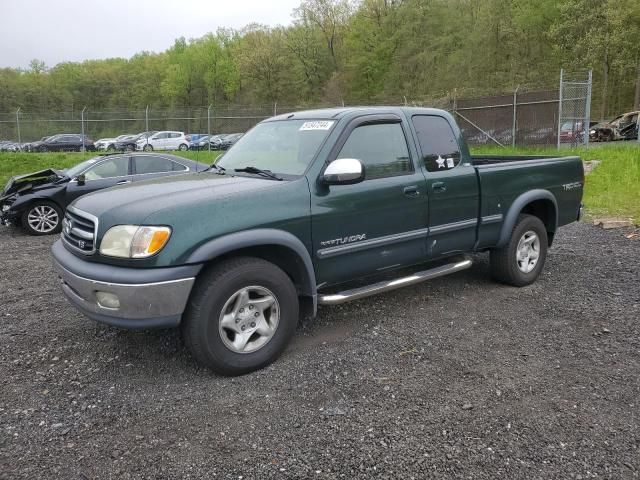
82, 122
587, 112
18, 127
146, 124
209, 125
513, 125
560, 106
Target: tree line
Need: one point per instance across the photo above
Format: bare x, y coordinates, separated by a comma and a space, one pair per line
357, 52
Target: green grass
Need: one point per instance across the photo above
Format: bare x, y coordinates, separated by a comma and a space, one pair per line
612, 189
20, 163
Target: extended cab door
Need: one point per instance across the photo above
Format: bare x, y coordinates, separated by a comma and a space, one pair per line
114, 170
379, 223
452, 185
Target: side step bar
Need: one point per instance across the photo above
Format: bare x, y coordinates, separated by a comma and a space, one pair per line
388, 285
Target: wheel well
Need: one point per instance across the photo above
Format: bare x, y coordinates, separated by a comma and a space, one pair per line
546, 212
285, 258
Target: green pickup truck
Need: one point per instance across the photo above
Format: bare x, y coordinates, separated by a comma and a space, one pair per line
315, 207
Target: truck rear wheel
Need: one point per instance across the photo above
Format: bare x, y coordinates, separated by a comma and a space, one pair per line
520, 262
241, 316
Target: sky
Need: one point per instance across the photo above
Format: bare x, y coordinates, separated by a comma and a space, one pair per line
74, 30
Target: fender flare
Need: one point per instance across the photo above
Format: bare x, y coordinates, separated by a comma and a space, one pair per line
516, 207
257, 238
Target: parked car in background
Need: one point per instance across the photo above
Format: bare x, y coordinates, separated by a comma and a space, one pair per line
128, 144
9, 146
102, 143
37, 201
34, 146
574, 131
216, 140
195, 137
229, 140
165, 140
109, 143
202, 143
65, 143
622, 127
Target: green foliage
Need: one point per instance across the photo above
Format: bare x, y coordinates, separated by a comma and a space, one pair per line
360, 51
611, 188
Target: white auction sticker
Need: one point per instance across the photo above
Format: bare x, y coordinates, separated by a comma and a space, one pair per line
317, 125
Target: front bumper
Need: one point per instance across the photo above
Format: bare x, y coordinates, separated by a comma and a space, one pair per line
148, 297
8, 217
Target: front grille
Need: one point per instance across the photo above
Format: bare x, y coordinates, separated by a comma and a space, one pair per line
79, 230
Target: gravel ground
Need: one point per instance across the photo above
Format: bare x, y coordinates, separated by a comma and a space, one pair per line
459, 378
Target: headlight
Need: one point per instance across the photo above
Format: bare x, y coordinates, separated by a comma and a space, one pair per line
133, 241
592, 132
6, 207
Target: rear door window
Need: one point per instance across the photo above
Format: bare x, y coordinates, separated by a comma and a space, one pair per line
440, 149
152, 164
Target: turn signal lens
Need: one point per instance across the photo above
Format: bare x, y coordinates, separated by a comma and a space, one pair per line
148, 241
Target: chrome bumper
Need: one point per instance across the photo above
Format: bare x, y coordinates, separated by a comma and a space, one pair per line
147, 305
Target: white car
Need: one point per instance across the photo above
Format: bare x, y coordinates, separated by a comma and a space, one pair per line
108, 143
166, 140
103, 143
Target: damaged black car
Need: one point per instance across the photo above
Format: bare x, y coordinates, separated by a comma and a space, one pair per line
37, 201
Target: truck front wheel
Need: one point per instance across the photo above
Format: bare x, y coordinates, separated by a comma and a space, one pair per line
520, 262
241, 316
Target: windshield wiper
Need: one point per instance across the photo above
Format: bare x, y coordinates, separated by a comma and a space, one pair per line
259, 171
219, 169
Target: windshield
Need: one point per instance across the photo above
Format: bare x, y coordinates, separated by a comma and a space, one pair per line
286, 147
81, 167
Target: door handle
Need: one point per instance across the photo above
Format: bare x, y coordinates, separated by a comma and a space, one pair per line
439, 187
122, 182
411, 191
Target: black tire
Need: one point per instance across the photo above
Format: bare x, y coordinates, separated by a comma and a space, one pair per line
147, 148
504, 261
44, 149
47, 206
183, 147
213, 290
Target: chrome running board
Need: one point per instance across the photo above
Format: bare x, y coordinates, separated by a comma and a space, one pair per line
388, 285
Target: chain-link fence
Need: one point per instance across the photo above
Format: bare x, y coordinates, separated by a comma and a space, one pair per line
574, 108
518, 118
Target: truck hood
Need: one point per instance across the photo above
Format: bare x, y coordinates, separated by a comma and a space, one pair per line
134, 202
30, 181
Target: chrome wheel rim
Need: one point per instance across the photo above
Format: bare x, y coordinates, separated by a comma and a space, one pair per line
43, 219
249, 319
528, 251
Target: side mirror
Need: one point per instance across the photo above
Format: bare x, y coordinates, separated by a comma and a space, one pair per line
344, 171
81, 179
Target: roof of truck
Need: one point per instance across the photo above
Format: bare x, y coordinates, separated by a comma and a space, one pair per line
340, 112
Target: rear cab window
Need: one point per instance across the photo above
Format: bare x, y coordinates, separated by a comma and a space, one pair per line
438, 143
